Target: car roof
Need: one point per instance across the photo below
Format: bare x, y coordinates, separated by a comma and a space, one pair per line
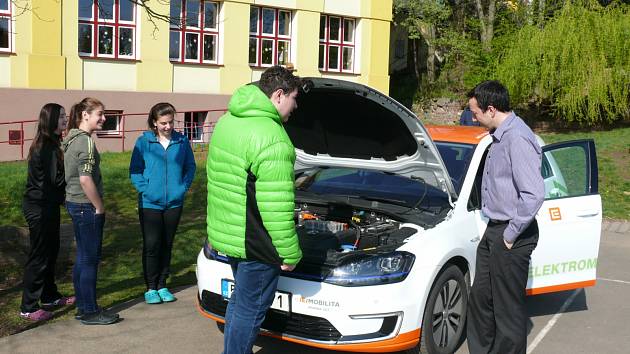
457, 133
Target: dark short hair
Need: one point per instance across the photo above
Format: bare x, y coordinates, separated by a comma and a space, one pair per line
491, 93
277, 77
158, 110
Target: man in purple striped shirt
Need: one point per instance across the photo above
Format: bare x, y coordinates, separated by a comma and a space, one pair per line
512, 191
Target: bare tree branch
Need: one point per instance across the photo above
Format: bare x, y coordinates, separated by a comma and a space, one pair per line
153, 16
28, 7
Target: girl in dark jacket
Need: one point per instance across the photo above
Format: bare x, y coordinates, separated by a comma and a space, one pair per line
44, 194
162, 169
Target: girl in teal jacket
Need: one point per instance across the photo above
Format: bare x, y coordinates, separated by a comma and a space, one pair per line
162, 169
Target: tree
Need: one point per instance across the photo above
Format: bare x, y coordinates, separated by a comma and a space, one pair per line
486, 18
423, 19
578, 64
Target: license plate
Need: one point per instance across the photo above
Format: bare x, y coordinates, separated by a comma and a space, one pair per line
281, 301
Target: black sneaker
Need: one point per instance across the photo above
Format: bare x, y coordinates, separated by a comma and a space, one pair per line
99, 318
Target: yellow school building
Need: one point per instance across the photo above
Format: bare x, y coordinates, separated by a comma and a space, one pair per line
192, 53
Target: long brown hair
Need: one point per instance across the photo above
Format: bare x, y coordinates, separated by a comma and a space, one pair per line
87, 104
48, 123
158, 110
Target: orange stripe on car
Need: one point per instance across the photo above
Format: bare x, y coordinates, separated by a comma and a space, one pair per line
561, 287
400, 342
457, 134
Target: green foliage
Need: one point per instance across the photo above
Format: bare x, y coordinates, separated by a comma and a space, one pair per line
614, 167
12, 187
579, 62
414, 14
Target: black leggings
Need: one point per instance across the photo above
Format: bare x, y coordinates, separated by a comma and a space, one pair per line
39, 271
158, 232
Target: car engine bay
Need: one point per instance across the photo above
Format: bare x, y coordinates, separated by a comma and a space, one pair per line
329, 233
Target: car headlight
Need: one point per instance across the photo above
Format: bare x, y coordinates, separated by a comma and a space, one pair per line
372, 270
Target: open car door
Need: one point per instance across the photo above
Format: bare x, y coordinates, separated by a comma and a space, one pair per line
569, 220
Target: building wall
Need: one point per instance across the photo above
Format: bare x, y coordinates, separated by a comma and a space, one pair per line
26, 104
45, 64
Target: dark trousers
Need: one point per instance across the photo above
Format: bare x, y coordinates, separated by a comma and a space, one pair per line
39, 271
497, 317
254, 291
158, 232
88, 232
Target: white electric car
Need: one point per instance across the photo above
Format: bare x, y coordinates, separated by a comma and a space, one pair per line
388, 216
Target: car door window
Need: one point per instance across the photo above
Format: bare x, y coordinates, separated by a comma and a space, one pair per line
456, 157
474, 201
566, 171
546, 170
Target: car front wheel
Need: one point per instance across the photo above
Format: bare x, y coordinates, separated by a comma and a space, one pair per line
444, 317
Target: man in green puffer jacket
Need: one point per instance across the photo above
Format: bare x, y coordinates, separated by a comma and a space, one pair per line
251, 200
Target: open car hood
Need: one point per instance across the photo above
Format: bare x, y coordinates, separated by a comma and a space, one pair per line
340, 123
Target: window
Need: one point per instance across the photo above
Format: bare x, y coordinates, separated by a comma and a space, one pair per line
112, 126
107, 29
269, 36
546, 170
5, 26
193, 125
194, 35
457, 158
336, 43
565, 172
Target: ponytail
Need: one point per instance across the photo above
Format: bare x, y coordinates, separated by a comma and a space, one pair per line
88, 104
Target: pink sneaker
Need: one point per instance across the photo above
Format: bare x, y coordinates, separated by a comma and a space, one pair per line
37, 316
62, 301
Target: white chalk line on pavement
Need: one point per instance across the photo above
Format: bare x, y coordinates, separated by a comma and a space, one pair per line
614, 280
552, 322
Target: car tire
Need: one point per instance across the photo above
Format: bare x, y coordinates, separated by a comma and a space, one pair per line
444, 319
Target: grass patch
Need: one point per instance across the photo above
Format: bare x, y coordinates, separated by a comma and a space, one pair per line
613, 158
120, 273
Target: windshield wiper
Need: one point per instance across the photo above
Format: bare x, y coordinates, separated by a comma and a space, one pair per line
370, 198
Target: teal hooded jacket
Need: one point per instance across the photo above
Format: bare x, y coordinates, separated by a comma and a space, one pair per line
162, 176
251, 182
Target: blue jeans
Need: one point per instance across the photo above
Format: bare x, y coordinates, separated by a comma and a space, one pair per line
255, 287
88, 232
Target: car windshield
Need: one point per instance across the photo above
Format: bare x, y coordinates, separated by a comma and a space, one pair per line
372, 185
456, 157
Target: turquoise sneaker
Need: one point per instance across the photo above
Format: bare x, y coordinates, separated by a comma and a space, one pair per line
152, 297
166, 295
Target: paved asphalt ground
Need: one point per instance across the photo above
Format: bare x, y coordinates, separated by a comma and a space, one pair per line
593, 320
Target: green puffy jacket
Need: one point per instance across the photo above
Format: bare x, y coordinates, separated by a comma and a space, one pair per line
251, 182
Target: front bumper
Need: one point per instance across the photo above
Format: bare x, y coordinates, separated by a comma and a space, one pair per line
345, 325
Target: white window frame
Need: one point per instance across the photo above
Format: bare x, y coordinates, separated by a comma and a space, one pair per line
275, 37
116, 114
339, 43
8, 14
182, 29
95, 23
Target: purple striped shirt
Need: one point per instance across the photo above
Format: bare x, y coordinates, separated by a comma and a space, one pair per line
512, 187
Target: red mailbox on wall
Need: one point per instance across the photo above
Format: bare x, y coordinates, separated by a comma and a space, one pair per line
15, 137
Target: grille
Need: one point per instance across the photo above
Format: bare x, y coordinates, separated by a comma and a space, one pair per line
304, 326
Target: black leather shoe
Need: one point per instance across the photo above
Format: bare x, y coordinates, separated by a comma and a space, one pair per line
99, 318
